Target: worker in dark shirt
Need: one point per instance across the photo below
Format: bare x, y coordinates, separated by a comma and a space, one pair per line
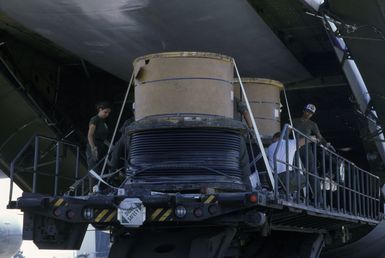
310, 128
97, 136
307, 126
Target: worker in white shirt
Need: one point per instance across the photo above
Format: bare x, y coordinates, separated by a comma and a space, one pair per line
283, 163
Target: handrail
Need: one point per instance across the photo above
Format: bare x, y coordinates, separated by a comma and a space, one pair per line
332, 182
34, 142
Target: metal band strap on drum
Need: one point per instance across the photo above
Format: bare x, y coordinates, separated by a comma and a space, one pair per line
263, 102
185, 78
184, 54
264, 118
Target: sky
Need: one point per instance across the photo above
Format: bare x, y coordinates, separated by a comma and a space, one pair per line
28, 247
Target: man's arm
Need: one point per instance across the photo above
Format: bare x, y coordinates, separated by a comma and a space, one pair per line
242, 109
90, 137
318, 135
246, 115
321, 139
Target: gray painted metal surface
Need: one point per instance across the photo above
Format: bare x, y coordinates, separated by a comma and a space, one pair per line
110, 34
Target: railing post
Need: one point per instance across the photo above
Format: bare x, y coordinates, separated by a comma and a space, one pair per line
83, 187
373, 200
331, 180
362, 197
307, 170
315, 174
35, 163
350, 188
275, 176
287, 178
378, 196
297, 167
344, 184
324, 176
355, 201
338, 185
367, 200
275, 163
372, 197
77, 166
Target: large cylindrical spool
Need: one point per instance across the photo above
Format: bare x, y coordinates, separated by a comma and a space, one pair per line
264, 99
183, 82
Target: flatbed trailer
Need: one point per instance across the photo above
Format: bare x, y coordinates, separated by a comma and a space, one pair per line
257, 223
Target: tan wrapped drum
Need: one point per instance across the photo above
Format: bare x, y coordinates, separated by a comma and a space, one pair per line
263, 96
183, 82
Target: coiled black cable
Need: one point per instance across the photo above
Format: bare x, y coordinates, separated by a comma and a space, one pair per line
186, 155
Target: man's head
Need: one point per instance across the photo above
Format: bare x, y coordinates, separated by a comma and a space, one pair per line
276, 136
308, 111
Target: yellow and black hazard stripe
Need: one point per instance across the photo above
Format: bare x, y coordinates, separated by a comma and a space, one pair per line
104, 215
161, 214
210, 199
58, 202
